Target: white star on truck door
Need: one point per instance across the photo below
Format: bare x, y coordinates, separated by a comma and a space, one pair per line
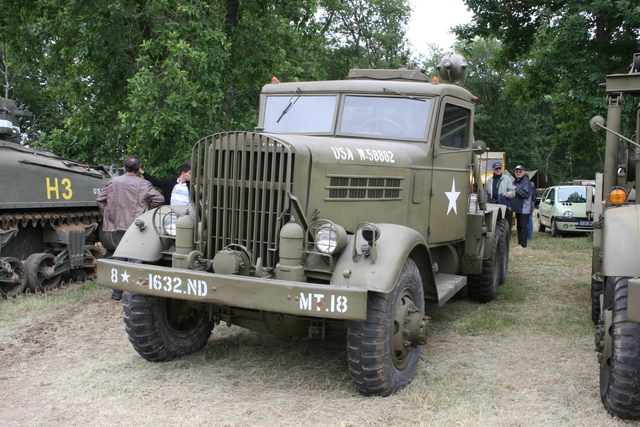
453, 197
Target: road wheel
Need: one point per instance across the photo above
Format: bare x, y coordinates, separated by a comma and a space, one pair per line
162, 329
596, 290
383, 351
620, 385
504, 245
38, 274
554, 229
12, 272
484, 286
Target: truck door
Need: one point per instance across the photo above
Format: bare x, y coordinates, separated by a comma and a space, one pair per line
450, 184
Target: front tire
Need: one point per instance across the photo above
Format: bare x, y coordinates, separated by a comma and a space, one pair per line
541, 226
620, 385
383, 351
162, 329
554, 229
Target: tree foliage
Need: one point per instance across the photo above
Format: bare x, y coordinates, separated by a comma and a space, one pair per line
111, 78
558, 53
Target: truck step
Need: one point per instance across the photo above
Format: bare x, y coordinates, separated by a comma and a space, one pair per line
448, 285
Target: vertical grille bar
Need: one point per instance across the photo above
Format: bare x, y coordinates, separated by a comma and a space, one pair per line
245, 177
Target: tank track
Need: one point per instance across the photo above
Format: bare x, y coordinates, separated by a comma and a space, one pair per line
18, 220
60, 287
13, 220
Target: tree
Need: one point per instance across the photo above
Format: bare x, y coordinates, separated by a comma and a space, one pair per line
565, 49
150, 77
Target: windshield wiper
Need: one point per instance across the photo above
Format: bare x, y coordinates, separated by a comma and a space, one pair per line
404, 95
289, 105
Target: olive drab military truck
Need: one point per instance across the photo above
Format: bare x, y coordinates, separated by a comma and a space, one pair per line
615, 286
49, 217
344, 212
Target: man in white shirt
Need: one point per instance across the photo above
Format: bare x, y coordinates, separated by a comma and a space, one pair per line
168, 185
180, 192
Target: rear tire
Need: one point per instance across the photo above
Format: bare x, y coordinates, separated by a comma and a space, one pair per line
483, 287
620, 385
505, 243
162, 329
379, 362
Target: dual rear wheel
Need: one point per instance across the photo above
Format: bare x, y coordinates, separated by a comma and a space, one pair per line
483, 287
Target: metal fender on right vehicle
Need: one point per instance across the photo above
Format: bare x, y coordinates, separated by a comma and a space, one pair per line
392, 248
622, 225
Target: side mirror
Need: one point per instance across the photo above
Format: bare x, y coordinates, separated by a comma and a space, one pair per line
479, 147
597, 123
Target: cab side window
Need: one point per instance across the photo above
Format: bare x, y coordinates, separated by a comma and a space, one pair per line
455, 127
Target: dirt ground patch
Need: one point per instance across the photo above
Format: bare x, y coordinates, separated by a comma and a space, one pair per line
525, 359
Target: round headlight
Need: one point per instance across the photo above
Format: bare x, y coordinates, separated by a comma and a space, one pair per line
567, 215
169, 224
330, 238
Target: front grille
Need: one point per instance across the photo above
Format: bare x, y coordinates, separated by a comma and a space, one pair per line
240, 183
364, 188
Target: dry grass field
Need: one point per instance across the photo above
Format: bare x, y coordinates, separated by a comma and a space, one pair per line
525, 359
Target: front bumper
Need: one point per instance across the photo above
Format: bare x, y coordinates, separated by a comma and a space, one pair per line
575, 225
256, 293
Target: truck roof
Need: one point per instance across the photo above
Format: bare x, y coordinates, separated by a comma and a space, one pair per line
369, 86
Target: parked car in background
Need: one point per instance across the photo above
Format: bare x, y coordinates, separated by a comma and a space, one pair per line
563, 209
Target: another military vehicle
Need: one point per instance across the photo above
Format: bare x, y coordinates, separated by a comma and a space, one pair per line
616, 250
344, 212
48, 214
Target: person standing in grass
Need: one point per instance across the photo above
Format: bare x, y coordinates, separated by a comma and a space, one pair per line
122, 200
499, 187
522, 205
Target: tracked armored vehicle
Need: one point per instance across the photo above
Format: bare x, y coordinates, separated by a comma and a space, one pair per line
615, 286
48, 214
345, 212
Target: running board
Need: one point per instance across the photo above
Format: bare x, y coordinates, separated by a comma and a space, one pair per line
448, 285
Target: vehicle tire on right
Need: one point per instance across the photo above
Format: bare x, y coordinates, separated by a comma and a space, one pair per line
162, 329
620, 385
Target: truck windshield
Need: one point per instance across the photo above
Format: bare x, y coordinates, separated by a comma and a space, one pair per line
385, 116
300, 114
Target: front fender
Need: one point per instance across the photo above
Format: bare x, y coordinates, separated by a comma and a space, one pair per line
393, 247
144, 244
621, 241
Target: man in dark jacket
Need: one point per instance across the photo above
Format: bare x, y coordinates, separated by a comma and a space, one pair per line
180, 185
522, 205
